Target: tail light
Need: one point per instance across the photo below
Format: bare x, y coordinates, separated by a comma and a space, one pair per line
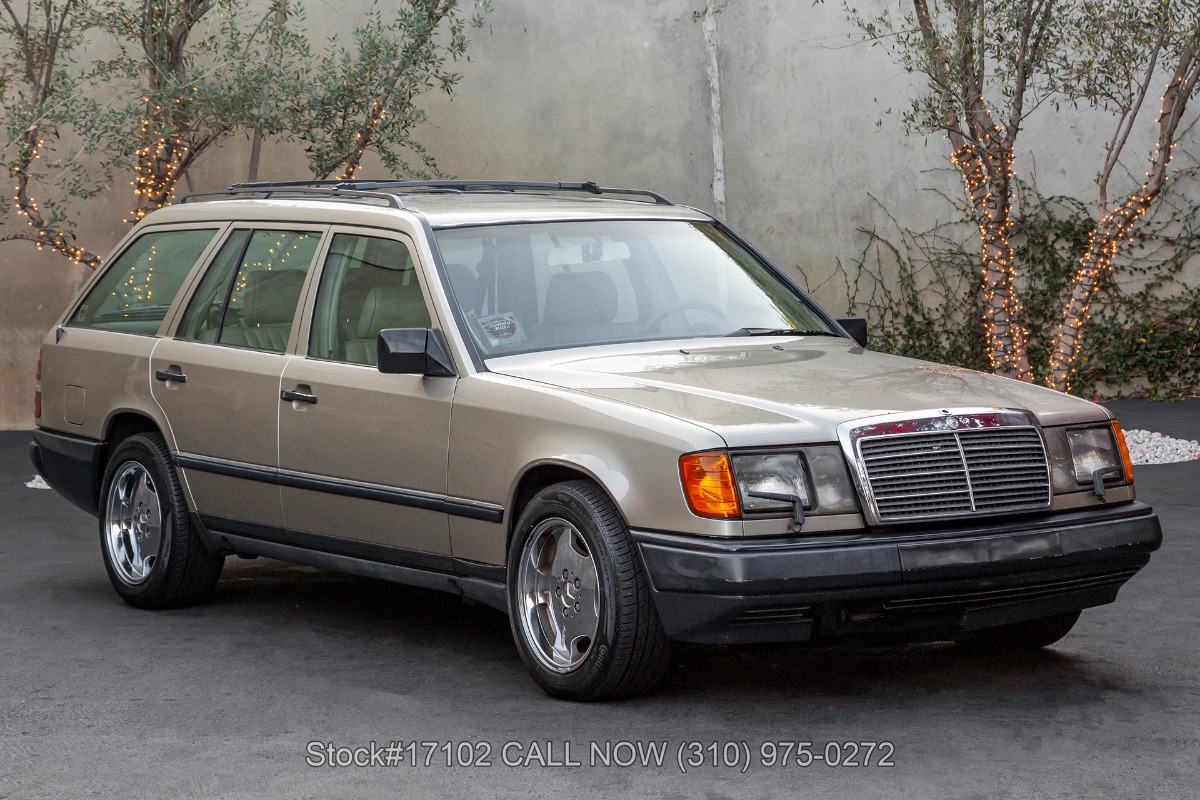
37, 390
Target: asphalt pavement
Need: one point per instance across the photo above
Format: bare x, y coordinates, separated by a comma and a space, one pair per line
240, 696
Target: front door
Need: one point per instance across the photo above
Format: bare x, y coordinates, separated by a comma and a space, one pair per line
217, 381
362, 455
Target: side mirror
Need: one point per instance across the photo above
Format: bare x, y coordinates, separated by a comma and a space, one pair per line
414, 351
857, 328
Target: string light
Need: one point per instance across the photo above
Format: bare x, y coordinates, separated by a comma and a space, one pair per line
1003, 314
44, 237
362, 141
1114, 229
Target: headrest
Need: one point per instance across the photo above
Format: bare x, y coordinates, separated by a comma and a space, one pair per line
466, 286
386, 253
270, 296
580, 298
392, 307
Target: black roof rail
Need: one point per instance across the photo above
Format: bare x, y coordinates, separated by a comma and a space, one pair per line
339, 189
589, 187
383, 189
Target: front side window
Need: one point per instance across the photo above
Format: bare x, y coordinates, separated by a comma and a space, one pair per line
540, 286
249, 294
368, 283
134, 294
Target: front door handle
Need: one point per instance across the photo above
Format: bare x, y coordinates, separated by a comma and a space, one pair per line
173, 375
298, 397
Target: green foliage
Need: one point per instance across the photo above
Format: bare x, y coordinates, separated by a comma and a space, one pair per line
40, 95
185, 75
193, 71
919, 290
1019, 55
362, 98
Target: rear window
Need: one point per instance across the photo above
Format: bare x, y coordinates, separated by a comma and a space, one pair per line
137, 289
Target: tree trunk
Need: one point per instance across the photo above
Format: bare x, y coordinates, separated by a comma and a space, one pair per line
1115, 227
986, 179
1096, 261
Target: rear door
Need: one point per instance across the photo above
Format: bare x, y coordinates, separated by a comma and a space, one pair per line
217, 380
362, 454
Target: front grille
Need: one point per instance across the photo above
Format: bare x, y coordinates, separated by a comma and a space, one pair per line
951, 473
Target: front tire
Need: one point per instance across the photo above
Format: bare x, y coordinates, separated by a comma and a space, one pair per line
582, 616
153, 557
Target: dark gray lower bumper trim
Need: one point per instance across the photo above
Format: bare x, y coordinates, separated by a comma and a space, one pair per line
800, 588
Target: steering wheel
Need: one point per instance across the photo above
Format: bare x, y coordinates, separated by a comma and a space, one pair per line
675, 308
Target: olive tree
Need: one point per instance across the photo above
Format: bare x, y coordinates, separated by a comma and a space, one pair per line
362, 99
40, 96
986, 66
190, 74
183, 76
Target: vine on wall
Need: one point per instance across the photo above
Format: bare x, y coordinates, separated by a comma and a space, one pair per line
920, 292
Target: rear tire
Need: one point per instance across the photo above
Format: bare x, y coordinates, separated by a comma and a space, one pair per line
153, 557
580, 606
1026, 636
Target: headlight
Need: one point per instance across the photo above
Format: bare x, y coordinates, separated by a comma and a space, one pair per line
1092, 449
777, 473
817, 475
1077, 453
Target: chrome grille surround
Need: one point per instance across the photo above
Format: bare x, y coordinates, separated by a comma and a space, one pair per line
947, 464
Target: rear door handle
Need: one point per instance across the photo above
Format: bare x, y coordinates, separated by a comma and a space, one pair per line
170, 375
298, 397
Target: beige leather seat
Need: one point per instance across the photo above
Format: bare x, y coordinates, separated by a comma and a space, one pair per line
580, 307
395, 306
264, 319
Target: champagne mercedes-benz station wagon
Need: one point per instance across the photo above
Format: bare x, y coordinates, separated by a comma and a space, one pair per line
605, 414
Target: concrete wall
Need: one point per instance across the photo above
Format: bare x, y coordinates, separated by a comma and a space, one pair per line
616, 92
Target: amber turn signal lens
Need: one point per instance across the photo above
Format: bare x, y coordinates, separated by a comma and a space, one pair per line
708, 485
1126, 463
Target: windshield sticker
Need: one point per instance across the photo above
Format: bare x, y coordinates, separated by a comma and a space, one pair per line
502, 329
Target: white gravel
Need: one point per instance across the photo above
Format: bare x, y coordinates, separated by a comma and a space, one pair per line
1147, 447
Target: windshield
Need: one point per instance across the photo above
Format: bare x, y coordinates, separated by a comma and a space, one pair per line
543, 286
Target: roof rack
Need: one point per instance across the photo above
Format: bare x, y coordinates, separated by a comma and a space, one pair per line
265, 189
463, 186
383, 189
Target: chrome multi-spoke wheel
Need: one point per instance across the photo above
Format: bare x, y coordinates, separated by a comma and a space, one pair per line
559, 593
581, 609
154, 556
133, 523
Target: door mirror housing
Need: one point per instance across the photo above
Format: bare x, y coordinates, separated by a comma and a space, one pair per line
857, 328
414, 351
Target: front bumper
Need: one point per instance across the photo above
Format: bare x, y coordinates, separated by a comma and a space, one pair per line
923, 584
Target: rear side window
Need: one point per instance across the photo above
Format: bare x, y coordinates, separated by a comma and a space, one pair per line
249, 295
135, 292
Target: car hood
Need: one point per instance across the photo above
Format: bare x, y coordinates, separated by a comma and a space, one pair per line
782, 390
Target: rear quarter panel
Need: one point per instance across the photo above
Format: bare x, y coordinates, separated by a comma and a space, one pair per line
98, 375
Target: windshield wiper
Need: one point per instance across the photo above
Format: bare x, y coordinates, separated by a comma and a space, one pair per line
780, 332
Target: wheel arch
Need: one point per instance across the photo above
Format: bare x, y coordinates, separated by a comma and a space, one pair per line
541, 474
120, 425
